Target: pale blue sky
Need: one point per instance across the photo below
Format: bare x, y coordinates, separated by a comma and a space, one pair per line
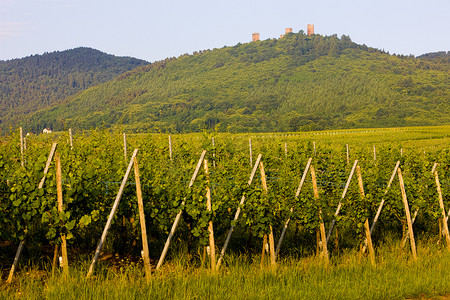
154, 30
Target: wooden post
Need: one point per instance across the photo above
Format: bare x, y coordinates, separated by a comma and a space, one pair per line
22, 159
408, 214
342, 198
366, 223
16, 262
348, 154
125, 147
314, 148
55, 259
212, 246
285, 149
405, 239
47, 165
70, 138
238, 211
177, 218
271, 239
382, 200
318, 241
170, 147
441, 205
146, 256
22, 243
65, 261
250, 149
263, 250
374, 153
111, 215
321, 225
214, 152
297, 194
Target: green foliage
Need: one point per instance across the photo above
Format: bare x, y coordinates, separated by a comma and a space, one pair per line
295, 83
40, 81
93, 169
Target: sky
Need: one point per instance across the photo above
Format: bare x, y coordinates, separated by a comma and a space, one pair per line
154, 30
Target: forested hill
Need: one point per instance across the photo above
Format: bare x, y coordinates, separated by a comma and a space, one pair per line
39, 81
293, 83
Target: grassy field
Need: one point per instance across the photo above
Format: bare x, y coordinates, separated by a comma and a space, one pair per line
349, 276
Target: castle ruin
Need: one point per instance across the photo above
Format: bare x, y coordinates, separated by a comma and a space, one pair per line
310, 31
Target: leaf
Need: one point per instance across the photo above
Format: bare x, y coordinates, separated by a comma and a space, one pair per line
69, 226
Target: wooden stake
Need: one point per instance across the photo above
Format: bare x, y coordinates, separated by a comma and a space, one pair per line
55, 259
111, 215
170, 147
374, 153
214, 153
405, 238
22, 160
70, 138
408, 214
271, 239
321, 225
263, 253
146, 256
65, 261
22, 243
348, 154
177, 218
212, 245
250, 148
297, 194
314, 148
441, 205
236, 216
285, 149
47, 165
16, 262
382, 200
318, 241
342, 198
125, 147
366, 223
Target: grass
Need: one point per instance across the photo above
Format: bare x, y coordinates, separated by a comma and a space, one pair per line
349, 276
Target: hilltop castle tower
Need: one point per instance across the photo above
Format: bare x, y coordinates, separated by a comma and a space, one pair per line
286, 31
310, 29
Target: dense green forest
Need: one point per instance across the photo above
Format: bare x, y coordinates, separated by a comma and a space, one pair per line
294, 83
39, 81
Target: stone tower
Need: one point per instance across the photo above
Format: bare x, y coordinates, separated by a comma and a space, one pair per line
310, 29
287, 30
255, 36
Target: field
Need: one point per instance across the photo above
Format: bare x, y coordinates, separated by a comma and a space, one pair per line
251, 198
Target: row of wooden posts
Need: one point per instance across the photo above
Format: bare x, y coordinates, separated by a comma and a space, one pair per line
273, 252
23, 148
271, 245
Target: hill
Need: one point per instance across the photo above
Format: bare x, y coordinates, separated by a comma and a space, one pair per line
297, 82
39, 81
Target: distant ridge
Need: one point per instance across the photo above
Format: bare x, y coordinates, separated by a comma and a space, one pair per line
295, 83
39, 81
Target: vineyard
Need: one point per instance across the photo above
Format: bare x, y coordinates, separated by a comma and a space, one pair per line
274, 196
